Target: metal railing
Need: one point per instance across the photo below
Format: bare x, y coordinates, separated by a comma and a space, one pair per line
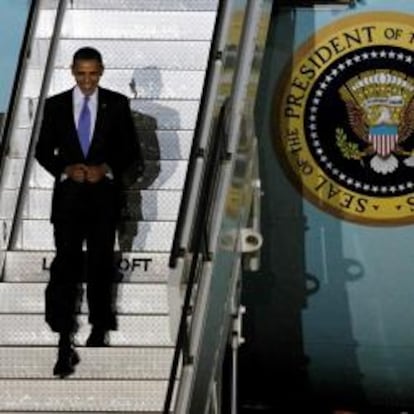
185, 219
209, 213
199, 249
24, 53
37, 121
13, 162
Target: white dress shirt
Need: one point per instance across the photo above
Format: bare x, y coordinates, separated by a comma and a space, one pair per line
78, 98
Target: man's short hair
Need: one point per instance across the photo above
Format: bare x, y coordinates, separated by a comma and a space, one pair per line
87, 53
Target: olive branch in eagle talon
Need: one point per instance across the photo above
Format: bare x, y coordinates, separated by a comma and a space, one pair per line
348, 149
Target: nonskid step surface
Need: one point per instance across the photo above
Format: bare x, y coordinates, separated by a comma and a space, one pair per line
161, 205
130, 24
33, 266
169, 115
79, 396
144, 236
186, 85
32, 330
96, 363
171, 175
78, 412
149, 5
136, 53
173, 145
130, 298
71, 412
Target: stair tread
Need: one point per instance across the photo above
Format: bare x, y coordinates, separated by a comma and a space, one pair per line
131, 24
149, 5
83, 395
135, 267
133, 330
142, 205
149, 298
176, 84
171, 176
96, 363
160, 54
155, 236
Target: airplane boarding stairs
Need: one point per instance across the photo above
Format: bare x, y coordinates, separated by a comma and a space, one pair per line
156, 52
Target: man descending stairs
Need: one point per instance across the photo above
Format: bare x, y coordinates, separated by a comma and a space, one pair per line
156, 53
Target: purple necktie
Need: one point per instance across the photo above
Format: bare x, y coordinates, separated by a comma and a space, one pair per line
84, 126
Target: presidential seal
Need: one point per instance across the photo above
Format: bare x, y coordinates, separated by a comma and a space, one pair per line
344, 119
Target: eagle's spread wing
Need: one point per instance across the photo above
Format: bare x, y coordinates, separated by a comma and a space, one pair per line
406, 127
356, 117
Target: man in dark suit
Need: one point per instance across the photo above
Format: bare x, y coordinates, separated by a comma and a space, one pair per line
88, 143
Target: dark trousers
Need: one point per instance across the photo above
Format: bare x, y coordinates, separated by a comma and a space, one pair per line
90, 224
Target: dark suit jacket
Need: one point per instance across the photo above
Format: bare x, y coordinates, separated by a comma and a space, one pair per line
114, 141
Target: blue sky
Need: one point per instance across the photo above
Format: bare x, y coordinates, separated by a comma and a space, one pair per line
13, 14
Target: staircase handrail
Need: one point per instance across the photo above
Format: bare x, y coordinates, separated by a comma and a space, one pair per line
223, 146
37, 121
199, 248
24, 52
185, 218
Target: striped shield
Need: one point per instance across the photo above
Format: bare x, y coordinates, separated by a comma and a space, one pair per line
383, 138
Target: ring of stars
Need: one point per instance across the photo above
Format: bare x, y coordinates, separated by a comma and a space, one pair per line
312, 126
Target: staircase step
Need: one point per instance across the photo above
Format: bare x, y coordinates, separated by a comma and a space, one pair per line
13, 170
171, 176
150, 83
104, 363
168, 114
150, 204
172, 145
164, 54
144, 236
130, 24
140, 330
30, 266
181, 5
140, 397
132, 298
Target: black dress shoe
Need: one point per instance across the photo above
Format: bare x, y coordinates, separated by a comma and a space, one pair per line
98, 338
65, 364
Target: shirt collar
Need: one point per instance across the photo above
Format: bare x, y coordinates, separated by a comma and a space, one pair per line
78, 95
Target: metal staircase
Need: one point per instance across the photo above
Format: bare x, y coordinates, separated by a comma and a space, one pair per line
190, 68
156, 52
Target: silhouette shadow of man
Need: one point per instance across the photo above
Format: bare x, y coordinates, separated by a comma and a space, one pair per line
131, 202
147, 89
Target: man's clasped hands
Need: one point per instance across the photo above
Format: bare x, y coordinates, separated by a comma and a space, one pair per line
86, 173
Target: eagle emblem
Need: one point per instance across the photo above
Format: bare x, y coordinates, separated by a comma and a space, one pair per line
380, 107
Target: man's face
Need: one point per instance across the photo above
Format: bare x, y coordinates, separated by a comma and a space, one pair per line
87, 74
